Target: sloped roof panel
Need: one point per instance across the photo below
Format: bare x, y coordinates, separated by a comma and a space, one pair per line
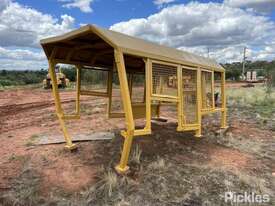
136, 46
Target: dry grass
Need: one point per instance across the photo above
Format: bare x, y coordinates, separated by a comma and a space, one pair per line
157, 165
163, 180
109, 182
25, 190
254, 99
136, 154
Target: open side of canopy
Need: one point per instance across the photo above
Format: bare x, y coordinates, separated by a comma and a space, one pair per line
171, 76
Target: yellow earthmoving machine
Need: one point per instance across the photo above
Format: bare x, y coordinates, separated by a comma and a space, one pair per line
62, 81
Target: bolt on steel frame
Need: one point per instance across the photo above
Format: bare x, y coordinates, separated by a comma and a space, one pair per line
189, 86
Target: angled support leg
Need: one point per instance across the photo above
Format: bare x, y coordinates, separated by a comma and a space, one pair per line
199, 102
59, 110
130, 125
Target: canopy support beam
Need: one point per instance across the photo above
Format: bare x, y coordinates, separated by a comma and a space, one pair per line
59, 110
126, 100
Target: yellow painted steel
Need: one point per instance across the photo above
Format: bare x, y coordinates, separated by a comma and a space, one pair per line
59, 109
126, 100
148, 108
223, 97
140, 110
213, 90
148, 93
199, 102
130, 82
182, 125
180, 96
164, 98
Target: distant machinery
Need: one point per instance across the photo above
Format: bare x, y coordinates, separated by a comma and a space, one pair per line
62, 81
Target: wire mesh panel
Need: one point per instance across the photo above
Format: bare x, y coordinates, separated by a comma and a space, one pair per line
218, 86
116, 104
189, 84
137, 87
94, 80
161, 79
206, 92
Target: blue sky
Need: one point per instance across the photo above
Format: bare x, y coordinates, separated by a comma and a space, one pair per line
105, 12
108, 12
222, 26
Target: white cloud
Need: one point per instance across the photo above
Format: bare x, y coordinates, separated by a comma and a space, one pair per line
200, 26
22, 59
4, 4
10, 64
83, 5
21, 28
21, 54
161, 2
257, 5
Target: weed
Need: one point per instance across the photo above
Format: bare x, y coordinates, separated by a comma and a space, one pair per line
159, 164
136, 154
110, 182
15, 157
31, 141
25, 190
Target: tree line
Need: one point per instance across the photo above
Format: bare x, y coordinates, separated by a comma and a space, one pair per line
233, 72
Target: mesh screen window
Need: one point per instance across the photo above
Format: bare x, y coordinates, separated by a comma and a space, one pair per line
207, 99
189, 84
94, 80
162, 77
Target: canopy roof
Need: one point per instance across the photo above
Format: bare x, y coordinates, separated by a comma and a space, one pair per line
91, 40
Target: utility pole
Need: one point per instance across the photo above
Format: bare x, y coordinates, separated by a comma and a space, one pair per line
208, 52
244, 59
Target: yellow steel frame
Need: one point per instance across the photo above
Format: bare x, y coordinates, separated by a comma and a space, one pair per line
150, 109
199, 103
182, 126
126, 100
59, 110
223, 97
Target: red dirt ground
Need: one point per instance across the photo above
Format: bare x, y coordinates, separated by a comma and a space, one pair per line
28, 112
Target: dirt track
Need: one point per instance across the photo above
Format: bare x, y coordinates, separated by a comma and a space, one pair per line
26, 113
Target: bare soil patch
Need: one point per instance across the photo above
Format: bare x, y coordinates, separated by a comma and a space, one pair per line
167, 168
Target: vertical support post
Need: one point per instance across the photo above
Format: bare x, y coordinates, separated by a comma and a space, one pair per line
223, 97
130, 125
78, 85
110, 90
213, 89
148, 92
144, 91
59, 110
180, 96
131, 84
203, 90
199, 101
